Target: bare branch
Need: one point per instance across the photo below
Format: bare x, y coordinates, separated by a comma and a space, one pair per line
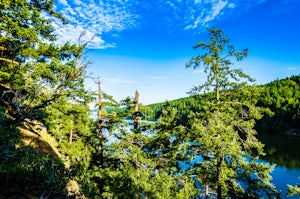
10, 61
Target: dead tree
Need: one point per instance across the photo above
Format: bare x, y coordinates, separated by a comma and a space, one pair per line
136, 111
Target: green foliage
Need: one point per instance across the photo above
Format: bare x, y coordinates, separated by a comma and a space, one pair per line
23, 169
127, 109
143, 183
42, 81
134, 172
35, 72
183, 107
169, 140
222, 134
294, 190
216, 59
279, 99
65, 118
230, 150
282, 97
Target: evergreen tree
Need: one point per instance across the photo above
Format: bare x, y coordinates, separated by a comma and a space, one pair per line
141, 170
133, 110
41, 81
106, 124
35, 72
224, 130
282, 97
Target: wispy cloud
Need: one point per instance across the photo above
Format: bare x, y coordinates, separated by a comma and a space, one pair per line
197, 71
63, 2
100, 17
231, 5
292, 68
215, 11
197, 14
119, 81
94, 19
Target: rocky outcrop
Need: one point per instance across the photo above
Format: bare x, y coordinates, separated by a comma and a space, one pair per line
35, 134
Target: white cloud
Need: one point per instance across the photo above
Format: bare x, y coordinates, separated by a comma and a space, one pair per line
63, 2
94, 19
292, 68
77, 2
216, 10
197, 13
78, 35
114, 16
231, 5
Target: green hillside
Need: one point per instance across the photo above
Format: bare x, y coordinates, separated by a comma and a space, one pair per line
281, 97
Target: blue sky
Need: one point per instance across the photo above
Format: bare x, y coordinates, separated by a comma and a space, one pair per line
144, 44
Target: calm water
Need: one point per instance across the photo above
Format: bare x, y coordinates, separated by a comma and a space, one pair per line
284, 151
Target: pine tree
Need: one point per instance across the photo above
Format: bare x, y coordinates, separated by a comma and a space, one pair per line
35, 72
132, 170
41, 81
223, 133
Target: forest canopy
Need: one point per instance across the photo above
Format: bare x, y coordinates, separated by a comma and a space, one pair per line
280, 96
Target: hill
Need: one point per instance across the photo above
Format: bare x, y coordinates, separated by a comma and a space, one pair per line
280, 96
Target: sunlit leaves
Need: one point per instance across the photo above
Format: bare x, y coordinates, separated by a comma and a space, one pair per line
224, 128
216, 58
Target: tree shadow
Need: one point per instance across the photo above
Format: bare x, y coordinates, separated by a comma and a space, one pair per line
29, 166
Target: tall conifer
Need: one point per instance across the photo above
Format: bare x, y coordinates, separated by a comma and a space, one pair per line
223, 131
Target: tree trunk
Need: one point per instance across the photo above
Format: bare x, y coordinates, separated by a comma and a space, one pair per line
100, 120
216, 76
100, 149
206, 191
219, 192
136, 109
71, 132
217, 93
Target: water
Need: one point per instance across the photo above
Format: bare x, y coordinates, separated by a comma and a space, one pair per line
284, 151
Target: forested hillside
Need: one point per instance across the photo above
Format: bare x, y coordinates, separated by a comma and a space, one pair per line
281, 97
200, 147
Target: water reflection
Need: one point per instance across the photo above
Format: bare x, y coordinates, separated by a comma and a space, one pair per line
281, 149
284, 152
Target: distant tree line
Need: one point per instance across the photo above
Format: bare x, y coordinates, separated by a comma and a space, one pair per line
280, 97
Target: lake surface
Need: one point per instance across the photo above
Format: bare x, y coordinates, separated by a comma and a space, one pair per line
284, 151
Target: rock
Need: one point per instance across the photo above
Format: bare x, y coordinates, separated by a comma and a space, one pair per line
72, 188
